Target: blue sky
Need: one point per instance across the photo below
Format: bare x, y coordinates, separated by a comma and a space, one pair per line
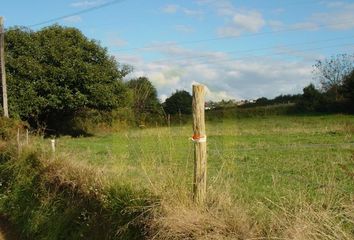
239, 49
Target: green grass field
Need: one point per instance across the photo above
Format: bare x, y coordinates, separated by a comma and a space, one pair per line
274, 177
254, 159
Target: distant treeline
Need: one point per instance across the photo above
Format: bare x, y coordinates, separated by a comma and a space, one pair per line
334, 95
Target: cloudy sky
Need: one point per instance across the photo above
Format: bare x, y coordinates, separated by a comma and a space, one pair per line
239, 49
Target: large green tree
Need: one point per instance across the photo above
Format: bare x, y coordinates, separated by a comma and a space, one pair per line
331, 72
179, 102
311, 100
347, 90
146, 105
57, 71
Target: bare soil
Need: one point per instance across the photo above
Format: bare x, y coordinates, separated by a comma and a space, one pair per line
6, 230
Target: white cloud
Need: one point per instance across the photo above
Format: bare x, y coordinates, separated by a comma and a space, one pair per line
339, 20
117, 42
87, 4
333, 4
228, 31
305, 55
171, 8
309, 26
278, 11
73, 19
249, 21
224, 8
226, 78
276, 25
236, 20
242, 22
174, 8
339, 16
184, 28
217, 96
195, 13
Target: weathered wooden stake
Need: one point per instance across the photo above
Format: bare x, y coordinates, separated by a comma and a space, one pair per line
180, 117
169, 120
52, 141
199, 138
18, 141
27, 136
2, 66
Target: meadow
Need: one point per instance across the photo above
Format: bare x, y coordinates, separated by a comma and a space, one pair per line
262, 159
269, 177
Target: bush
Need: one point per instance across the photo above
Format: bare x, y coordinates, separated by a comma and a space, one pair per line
8, 128
55, 200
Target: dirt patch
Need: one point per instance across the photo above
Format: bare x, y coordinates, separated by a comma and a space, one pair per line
6, 230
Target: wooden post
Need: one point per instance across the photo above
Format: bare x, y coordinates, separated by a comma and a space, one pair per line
52, 141
199, 138
18, 141
180, 117
169, 120
2, 66
27, 136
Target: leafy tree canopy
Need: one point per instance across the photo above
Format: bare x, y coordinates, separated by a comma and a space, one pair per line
145, 100
179, 102
331, 72
347, 90
58, 71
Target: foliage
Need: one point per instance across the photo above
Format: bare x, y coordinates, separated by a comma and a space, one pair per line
56, 71
56, 200
331, 72
347, 90
8, 128
179, 102
221, 104
336, 77
311, 99
250, 112
281, 99
146, 105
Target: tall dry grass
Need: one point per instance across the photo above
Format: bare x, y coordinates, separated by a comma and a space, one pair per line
153, 195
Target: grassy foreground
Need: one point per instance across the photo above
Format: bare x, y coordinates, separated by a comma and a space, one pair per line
256, 158
268, 178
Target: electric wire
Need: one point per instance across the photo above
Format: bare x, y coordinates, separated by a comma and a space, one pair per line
250, 50
264, 55
284, 30
76, 13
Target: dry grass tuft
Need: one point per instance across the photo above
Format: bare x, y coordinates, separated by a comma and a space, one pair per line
75, 176
317, 221
180, 218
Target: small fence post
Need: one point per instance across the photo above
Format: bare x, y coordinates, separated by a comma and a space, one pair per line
199, 138
18, 141
27, 136
180, 117
52, 141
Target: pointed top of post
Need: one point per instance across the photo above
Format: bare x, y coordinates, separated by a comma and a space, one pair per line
200, 88
1, 20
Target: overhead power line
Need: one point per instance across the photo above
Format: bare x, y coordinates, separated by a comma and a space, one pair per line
76, 13
251, 50
293, 29
264, 55
267, 55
